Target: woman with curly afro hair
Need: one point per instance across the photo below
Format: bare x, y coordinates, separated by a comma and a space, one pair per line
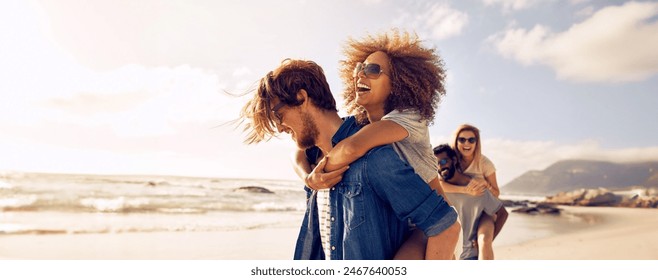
392, 85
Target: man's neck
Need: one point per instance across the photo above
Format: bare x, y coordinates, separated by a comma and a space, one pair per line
328, 123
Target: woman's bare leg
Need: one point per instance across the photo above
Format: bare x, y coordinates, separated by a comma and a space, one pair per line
413, 248
442, 246
485, 237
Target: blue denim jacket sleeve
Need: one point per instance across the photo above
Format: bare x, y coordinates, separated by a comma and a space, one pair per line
395, 181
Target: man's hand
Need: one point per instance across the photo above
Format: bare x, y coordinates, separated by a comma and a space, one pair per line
319, 180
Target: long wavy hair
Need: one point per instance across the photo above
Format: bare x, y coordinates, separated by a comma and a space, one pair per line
417, 73
478, 144
284, 83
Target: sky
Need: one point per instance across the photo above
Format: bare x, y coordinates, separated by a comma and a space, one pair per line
147, 87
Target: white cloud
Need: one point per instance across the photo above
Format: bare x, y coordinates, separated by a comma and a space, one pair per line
445, 22
439, 21
77, 97
616, 44
132, 100
86, 104
512, 5
241, 72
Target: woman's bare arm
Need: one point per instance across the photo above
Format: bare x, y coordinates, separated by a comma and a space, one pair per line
312, 175
475, 187
493, 184
372, 135
300, 164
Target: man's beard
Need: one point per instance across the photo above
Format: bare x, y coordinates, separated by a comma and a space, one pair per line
449, 174
308, 139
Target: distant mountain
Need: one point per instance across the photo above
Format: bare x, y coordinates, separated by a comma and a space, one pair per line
569, 175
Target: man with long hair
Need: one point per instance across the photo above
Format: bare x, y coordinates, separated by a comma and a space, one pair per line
368, 214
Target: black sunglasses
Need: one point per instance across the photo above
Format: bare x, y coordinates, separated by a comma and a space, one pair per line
370, 70
443, 161
463, 140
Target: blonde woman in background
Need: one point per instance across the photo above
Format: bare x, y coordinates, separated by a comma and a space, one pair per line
480, 211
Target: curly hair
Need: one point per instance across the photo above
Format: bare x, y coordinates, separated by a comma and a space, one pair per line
284, 83
417, 73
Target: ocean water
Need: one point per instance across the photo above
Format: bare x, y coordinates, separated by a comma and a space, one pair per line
35, 203
521, 227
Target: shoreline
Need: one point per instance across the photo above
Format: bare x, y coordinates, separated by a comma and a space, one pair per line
584, 233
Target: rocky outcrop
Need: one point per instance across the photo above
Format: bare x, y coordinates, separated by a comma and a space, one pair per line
253, 189
572, 175
514, 203
541, 208
602, 197
639, 202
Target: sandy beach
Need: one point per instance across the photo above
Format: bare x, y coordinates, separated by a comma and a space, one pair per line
256, 244
613, 234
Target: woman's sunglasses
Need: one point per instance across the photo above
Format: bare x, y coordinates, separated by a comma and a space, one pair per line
463, 140
370, 70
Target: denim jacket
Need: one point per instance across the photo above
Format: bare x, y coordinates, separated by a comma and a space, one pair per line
372, 206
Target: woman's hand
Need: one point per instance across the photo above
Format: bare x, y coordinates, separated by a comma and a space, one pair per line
319, 180
476, 187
